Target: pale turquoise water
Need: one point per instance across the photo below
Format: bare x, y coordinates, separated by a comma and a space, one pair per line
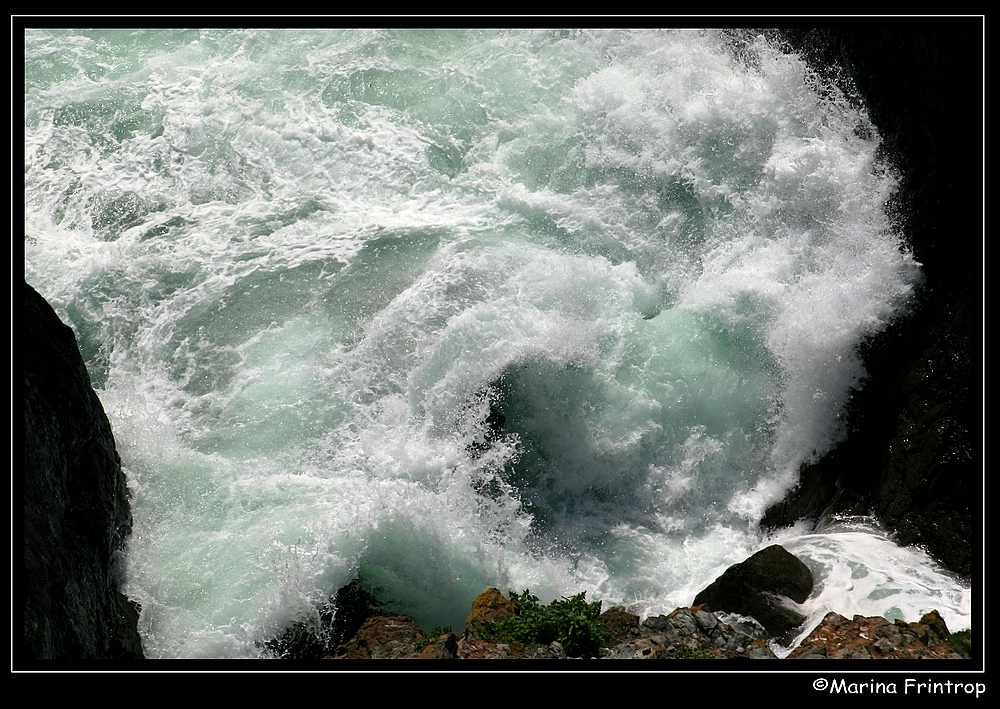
303, 265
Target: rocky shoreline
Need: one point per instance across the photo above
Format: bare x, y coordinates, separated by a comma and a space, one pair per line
693, 633
751, 612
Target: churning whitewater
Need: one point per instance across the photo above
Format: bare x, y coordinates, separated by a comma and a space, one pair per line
444, 310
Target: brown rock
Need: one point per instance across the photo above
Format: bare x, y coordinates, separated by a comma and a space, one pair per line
622, 625
876, 638
383, 637
445, 647
491, 605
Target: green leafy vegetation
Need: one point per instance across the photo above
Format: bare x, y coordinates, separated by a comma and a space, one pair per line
432, 636
686, 653
961, 641
572, 621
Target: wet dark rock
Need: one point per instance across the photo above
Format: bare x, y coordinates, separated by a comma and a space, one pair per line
761, 587
335, 623
913, 455
76, 504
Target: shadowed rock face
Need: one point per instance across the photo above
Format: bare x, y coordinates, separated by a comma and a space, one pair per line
913, 454
758, 586
76, 509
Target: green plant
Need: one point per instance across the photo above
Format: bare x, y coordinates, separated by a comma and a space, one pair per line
961, 642
432, 636
687, 653
572, 621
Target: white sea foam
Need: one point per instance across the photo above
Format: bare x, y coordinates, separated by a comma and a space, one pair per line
304, 267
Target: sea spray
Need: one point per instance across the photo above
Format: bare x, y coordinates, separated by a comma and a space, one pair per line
440, 311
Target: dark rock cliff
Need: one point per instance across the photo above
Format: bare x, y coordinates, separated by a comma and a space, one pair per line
913, 456
76, 508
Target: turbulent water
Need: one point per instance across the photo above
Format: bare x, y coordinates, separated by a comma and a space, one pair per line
444, 310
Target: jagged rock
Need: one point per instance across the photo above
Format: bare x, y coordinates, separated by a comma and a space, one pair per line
491, 605
622, 626
444, 647
400, 638
876, 638
336, 622
686, 633
76, 508
758, 586
477, 649
383, 637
